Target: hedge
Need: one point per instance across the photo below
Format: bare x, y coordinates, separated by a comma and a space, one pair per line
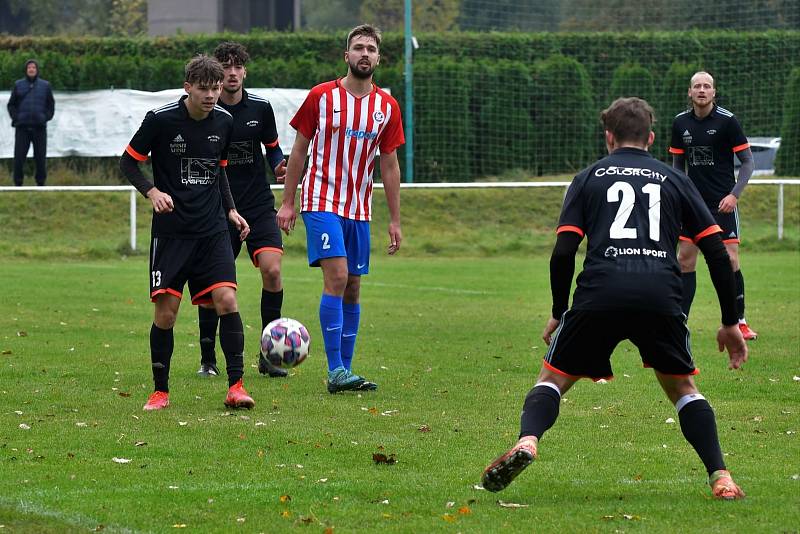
787, 161
485, 103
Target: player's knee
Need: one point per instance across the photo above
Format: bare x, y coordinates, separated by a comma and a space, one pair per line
352, 292
271, 276
165, 318
225, 301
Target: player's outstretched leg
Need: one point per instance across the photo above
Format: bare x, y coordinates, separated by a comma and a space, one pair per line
207, 321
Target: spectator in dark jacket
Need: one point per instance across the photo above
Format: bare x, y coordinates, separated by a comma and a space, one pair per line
31, 105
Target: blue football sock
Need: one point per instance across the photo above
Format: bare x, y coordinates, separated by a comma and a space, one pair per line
351, 314
330, 319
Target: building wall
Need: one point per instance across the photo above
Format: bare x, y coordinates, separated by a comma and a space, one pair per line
166, 17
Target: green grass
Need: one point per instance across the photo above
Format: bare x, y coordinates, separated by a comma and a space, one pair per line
453, 343
515, 222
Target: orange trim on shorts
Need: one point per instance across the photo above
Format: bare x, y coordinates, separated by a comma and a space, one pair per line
265, 249
168, 291
197, 298
223, 163
741, 147
713, 229
272, 144
684, 238
695, 372
676, 150
732, 241
568, 228
135, 155
576, 377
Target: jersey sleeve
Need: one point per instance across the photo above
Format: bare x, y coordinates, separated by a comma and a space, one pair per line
676, 143
697, 221
572, 212
736, 135
269, 132
144, 138
393, 135
223, 154
306, 119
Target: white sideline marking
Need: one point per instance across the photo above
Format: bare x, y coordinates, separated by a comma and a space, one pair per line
73, 519
454, 290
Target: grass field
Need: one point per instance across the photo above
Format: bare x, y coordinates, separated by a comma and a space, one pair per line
453, 343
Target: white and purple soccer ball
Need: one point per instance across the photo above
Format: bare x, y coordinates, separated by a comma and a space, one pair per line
285, 342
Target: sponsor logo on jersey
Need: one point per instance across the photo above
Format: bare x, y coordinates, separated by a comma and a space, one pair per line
213, 138
630, 171
198, 171
360, 134
378, 116
252, 124
687, 137
240, 153
613, 252
711, 132
177, 145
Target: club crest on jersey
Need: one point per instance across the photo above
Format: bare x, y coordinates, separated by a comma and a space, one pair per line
711, 132
177, 145
378, 116
252, 124
213, 138
687, 137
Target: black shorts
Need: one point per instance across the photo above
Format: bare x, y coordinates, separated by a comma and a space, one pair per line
206, 264
264, 236
729, 222
584, 341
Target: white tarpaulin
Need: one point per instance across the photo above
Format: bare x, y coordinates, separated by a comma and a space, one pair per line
101, 123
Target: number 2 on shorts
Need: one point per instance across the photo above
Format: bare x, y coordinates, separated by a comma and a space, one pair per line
325, 241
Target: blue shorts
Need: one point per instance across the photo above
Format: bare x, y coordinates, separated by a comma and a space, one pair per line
332, 236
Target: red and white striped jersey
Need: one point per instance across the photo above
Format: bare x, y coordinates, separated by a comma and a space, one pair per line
346, 132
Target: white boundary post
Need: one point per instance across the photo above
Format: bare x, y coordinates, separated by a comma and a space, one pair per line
780, 211
133, 219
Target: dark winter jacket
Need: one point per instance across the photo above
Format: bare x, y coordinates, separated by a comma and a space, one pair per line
31, 102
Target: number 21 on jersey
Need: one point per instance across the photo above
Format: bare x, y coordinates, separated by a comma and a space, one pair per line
624, 193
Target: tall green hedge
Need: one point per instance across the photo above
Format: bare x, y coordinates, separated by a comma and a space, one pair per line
788, 159
484, 102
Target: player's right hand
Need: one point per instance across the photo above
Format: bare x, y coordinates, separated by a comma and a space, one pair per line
286, 218
162, 202
549, 328
730, 338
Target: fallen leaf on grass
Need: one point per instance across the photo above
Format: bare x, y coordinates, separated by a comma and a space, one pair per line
449, 518
424, 428
124, 394
18, 412
140, 444
478, 487
389, 412
285, 498
22, 333
464, 510
512, 505
449, 504
120, 460
23, 426
380, 458
630, 517
286, 513
179, 525
795, 377
6, 352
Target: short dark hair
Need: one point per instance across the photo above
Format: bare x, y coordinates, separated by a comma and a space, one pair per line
365, 30
204, 69
233, 52
629, 119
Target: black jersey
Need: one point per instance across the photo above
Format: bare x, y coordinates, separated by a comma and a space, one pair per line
631, 208
186, 158
253, 125
708, 145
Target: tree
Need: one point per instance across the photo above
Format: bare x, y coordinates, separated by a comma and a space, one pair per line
128, 17
428, 15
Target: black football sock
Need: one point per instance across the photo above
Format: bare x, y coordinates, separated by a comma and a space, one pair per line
540, 410
207, 319
689, 287
231, 340
162, 343
739, 293
700, 430
271, 303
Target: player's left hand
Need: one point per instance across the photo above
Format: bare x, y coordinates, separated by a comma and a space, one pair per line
395, 237
549, 328
730, 338
727, 204
240, 224
280, 172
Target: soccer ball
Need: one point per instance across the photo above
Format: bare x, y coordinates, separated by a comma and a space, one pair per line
285, 342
